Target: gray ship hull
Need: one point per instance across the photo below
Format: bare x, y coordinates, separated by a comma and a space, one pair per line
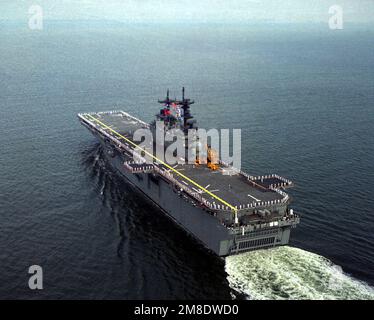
191, 217
258, 216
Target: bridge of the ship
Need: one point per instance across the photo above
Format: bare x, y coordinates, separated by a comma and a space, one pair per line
220, 189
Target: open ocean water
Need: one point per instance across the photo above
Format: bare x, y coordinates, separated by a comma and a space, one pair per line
303, 97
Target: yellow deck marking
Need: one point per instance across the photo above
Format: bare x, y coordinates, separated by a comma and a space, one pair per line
165, 164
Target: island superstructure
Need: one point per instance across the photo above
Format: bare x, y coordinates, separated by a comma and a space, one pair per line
226, 209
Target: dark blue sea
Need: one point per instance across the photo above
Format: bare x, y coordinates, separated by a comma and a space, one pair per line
303, 97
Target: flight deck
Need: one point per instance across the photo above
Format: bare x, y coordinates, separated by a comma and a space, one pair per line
225, 188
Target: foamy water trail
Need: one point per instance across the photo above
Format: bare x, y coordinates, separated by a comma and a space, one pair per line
292, 273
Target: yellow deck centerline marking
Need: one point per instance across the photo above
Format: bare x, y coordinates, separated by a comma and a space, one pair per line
165, 164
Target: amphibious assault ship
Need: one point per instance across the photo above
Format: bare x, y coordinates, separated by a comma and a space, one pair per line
226, 209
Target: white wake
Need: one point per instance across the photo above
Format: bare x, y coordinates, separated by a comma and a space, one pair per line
292, 273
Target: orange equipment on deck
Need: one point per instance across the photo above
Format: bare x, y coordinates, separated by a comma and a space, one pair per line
212, 159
